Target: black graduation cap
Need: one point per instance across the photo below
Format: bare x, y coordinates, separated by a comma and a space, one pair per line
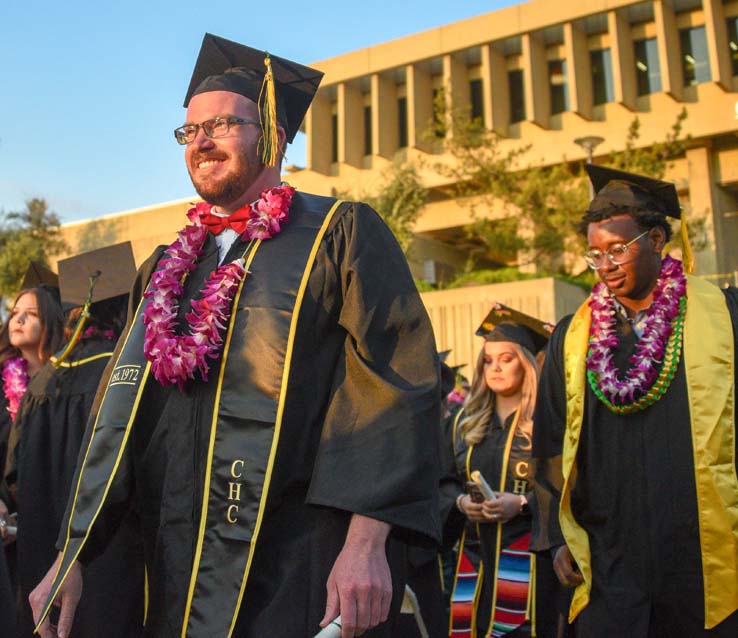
39, 275
224, 65
503, 323
449, 373
619, 190
117, 270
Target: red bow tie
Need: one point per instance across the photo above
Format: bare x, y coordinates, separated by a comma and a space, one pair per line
237, 220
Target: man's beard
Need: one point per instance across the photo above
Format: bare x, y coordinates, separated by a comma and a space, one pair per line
234, 184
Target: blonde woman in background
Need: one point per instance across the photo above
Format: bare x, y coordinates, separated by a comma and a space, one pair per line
495, 592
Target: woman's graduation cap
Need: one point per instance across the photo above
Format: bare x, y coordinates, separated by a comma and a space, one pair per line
91, 278
619, 192
116, 268
449, 374
503, 323
39, 275
282, 89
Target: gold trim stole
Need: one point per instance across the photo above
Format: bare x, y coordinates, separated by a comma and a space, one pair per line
530, 613
246, 423
244, 433
709, 361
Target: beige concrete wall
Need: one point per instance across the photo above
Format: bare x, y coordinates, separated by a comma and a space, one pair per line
413, 65
457, 36
146, 228
456, 314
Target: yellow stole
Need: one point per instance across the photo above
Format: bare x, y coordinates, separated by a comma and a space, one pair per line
709, 363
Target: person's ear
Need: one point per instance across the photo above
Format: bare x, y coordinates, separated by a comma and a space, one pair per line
657, 237
282, 137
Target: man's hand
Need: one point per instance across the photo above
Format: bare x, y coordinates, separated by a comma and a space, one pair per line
67, 599
360, 585
565, 568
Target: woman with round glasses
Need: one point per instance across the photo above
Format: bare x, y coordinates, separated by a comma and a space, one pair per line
492, 436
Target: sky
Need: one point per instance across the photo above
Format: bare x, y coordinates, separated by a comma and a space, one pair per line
90, 92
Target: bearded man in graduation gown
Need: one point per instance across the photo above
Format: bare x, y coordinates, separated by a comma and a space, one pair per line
635, 431
278, 454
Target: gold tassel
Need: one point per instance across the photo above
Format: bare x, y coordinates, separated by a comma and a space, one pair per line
268, 116
687, 255
84, 316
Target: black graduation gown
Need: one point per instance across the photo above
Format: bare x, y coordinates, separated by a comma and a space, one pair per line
363, 388
425, 578
635, 496
488, 457
7, 600
51, 420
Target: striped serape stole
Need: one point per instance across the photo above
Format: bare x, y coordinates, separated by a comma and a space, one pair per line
463, 600
512, 588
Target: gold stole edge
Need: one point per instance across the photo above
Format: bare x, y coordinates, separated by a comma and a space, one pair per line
282, 398
498, 547
576, 343
211, 445
81, 362
706, 418
712, 407
127, 433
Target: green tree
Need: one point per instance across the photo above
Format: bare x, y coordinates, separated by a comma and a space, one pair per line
653, 161
32, 234
398, 197
537, 225
542, 204
650, 160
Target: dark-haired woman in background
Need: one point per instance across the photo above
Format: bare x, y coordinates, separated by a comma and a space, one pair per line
52, 418
30, 335
32, 332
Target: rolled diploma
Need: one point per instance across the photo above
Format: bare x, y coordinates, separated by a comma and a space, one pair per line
477, 477
332, 630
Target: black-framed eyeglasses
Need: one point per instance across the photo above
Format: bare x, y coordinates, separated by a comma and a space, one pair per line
615, 254
215, 127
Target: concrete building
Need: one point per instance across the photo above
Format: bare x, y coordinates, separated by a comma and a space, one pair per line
541, 73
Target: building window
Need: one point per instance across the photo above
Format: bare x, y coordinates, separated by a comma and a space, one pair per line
602, 86
367, 130
439, 113
733, 43
517, 95
695, 63
476, 96
334, 137
558, 87
648, 72
402, 122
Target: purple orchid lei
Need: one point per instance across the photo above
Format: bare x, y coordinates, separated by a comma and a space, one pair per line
658, 326
176, 357
15, 382
95, 333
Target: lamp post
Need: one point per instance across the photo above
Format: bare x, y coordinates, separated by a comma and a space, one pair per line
589, 143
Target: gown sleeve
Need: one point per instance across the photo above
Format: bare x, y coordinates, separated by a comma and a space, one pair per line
451, 486
117, 503
548, 436
379, 446
6, 455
